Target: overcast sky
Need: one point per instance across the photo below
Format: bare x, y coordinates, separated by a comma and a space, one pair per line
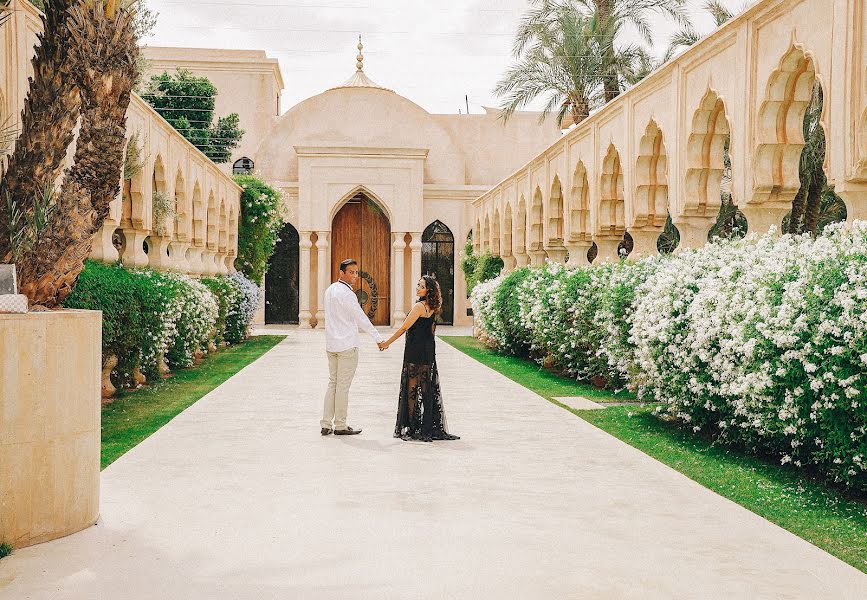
431, 51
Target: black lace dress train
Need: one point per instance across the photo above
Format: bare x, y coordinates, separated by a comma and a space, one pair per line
420, 413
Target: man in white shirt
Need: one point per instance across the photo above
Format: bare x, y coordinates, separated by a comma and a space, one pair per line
343, 317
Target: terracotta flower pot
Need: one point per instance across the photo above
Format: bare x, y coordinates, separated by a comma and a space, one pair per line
108, 389
165, 371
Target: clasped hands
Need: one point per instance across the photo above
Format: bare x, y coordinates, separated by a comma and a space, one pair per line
382, 346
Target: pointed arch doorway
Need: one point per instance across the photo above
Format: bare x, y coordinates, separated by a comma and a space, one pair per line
361, 230
438, 260
281, 279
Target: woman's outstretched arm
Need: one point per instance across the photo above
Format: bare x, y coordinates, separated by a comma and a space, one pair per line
414, 314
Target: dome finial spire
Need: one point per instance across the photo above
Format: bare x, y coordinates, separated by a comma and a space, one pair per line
359, 60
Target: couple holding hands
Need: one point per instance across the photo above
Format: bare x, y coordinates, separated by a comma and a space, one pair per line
420, 413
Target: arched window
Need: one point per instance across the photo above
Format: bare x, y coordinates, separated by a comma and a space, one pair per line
242, 166
438, 260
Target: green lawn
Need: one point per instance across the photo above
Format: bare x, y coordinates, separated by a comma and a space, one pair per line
134, 416
811, 509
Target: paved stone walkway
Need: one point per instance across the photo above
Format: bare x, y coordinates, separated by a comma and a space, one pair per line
240, 497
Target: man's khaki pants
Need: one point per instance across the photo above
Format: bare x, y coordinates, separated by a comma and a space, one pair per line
341, 370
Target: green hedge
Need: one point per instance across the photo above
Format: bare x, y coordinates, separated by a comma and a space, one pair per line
151, 316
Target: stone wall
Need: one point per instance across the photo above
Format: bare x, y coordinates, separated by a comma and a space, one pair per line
659, 147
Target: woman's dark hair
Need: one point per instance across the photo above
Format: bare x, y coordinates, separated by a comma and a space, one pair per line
346, 263
434, 298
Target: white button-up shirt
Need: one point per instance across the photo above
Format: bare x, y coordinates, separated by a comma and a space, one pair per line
343, 318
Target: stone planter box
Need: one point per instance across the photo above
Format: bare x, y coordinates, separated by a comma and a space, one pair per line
50, 366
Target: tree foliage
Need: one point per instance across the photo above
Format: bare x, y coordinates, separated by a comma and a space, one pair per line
261, 220
188, 103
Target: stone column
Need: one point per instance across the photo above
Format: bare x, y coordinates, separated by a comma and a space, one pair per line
644, 243
415, 246
398, 314
509, 263
324, 275
134, 254
693, 231
103, 250
158, 255
522, 259
207, 268
194, 260
578, 253
856, 204
556, 253
537, 257
304, 244
761, 217
178, 256
607, 250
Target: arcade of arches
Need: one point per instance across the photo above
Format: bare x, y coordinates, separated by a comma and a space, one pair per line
683, 141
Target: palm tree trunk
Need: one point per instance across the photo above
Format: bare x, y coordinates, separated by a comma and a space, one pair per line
104, 50
814, 203
610, 84
580, 111
797, 212
49, 116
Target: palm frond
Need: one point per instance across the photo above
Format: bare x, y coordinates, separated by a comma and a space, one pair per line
720, 13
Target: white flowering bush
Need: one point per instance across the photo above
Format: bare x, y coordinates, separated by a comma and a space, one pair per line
197, 325
250, 297
164, 325
759, 343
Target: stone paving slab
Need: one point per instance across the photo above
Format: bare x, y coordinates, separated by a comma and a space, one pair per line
240, 497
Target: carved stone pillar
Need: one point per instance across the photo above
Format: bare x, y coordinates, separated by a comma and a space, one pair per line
761, 217
856, 204
644, 243
607, 250
178, 256
509, 263
304, 245
398, 314
556, 253
522, 259
537, 256
194, 260
103, 250
578, 253
324, 276
693, 231
415, 245
158, 253
133, 253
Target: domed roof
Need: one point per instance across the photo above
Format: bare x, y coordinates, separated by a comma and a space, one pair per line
360, 79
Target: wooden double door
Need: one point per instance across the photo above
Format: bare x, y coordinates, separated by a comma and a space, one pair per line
361, 230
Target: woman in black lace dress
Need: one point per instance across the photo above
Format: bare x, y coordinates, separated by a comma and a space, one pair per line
420, 413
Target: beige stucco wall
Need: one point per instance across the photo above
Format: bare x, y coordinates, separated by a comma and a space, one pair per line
50, 366
751, 78
492, 148
248, 83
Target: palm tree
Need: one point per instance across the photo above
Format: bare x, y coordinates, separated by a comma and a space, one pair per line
687, 36
103, 48
616, 14
815, 205
558, 56
571, 47
49, 116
